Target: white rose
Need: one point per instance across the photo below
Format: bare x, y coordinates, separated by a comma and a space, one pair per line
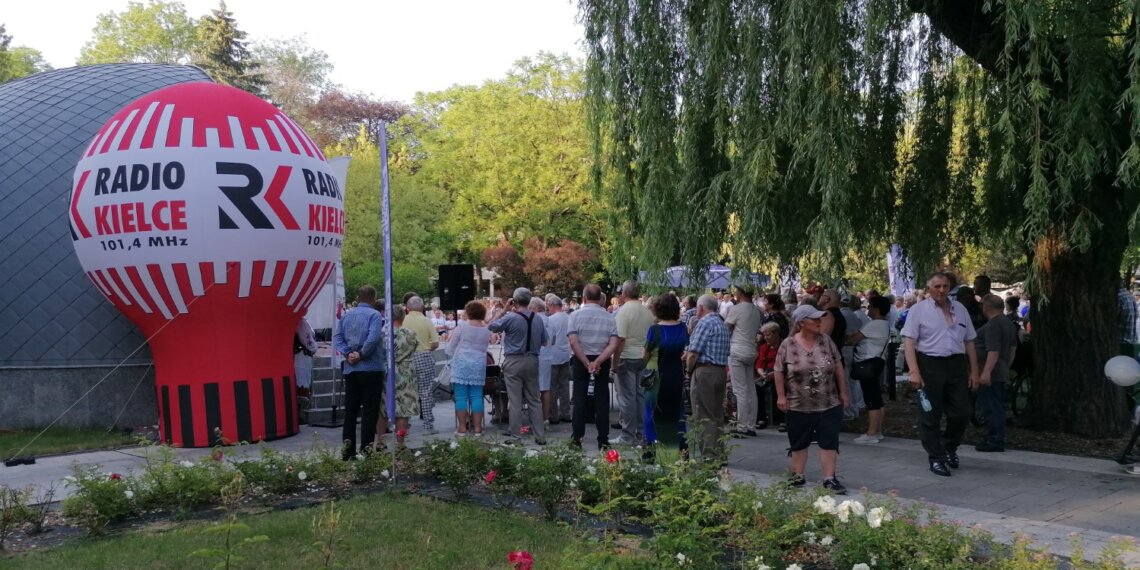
129, 493
795, 567
860, 566
591, 470
417, 453
843, 513
681, 559
857, 508
302, 475
826, 541
877, 516
187, 464
759, 505
453, 445
825, 505
384, 473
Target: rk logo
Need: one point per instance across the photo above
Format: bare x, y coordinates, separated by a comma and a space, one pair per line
242, 197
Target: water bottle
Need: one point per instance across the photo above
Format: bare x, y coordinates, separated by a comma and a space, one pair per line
590, 386
923, 400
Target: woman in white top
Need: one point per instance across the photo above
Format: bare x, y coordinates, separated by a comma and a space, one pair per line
468, 351
870, 347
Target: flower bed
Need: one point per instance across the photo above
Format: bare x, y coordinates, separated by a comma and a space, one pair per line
694, 516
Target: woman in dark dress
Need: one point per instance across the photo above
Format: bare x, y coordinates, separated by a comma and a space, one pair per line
664, 344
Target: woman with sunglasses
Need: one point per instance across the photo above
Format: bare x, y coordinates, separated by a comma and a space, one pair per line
812, 390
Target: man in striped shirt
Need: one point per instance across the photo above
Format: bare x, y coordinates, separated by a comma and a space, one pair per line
358, 338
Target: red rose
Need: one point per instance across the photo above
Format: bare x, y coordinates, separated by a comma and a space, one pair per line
612, 456
520, 560
490, 477
524, 430
401, 433
116, 477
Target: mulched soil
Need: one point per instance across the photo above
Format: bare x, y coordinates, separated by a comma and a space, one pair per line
900, 420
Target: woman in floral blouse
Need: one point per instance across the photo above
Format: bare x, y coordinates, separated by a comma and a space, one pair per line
407, 387
812, 389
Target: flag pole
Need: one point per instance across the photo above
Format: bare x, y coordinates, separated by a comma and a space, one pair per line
386, 231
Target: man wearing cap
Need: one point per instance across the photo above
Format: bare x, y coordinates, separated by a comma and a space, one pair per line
557, 323
744, 323
705, 359
938, 343
523, 337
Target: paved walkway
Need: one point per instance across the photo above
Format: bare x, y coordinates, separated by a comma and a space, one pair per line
1047, 497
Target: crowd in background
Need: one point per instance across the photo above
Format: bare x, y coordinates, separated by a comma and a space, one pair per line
690, 370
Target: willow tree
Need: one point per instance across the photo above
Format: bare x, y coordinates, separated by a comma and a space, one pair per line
793, 130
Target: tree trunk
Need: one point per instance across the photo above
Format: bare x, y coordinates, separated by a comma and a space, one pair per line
1074, 320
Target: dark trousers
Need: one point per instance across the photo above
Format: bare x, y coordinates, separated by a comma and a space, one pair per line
991, 400
363, 392
597, 405
946, 381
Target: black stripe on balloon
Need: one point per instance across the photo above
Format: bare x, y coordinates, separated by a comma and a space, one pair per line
165, 411
214, 413
269, 408
186, 410
241, 406
288, 392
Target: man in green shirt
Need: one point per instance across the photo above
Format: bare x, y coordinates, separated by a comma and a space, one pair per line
633, 322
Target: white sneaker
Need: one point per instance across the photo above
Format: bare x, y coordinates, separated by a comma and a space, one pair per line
868, 439
617, 440
1132, 469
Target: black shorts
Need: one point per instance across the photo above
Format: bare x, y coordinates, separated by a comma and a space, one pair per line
872, 388
821, 427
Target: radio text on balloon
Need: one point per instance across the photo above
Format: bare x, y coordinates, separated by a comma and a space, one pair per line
154, 176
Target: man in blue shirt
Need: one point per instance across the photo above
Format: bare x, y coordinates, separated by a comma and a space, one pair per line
358, 338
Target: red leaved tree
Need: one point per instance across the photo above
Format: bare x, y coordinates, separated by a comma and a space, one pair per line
505, 260
561, 269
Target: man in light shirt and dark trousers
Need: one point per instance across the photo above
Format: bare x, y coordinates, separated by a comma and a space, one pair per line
358, 338
593, 340
939, 347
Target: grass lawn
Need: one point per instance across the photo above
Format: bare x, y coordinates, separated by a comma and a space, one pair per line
390, 531
60, 440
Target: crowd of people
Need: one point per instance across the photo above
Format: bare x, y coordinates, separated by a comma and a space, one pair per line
696, 370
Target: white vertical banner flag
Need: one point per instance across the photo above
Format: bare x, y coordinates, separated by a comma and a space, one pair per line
900, 271
331, 299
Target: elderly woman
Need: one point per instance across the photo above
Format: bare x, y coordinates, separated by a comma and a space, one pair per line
772, 334
538, 307
812, 390
664, 344
407, 387
870, 359
468, 352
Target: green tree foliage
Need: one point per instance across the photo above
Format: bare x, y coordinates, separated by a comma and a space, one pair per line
511, 155
221, 51
419, 242
18, 61
799, 130
295, 73
155, 32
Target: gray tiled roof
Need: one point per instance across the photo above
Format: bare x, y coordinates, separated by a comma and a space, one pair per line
50, 314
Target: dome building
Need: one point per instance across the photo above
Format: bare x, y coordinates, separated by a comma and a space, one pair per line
65, 352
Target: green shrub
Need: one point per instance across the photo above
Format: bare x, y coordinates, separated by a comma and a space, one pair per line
99, 498
180, 485
548, 477
275, 473
458, 464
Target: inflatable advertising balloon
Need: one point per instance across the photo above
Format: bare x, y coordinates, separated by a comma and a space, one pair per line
210, 220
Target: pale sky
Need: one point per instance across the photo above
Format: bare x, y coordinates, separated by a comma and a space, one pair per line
387, 48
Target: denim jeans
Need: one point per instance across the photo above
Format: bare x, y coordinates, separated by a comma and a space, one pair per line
991, 400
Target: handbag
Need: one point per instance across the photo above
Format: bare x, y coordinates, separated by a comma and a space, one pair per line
444, 378
869, 369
